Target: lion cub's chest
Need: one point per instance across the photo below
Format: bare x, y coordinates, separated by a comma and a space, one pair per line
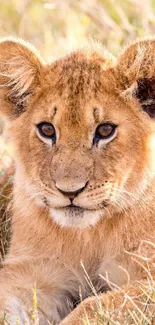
83, 282
98, 276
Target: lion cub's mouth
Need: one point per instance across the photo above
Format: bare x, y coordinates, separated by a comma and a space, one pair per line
76, 217
77, 208
74, 208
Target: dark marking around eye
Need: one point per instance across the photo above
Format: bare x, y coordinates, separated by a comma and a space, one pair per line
96, 115
53, 112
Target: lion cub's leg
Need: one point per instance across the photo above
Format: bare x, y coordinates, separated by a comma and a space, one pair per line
33, 290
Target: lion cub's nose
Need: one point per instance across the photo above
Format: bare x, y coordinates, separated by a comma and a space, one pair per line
71, 194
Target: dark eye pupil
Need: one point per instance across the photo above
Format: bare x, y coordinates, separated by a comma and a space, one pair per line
46, 130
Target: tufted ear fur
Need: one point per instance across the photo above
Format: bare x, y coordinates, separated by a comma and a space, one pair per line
136, 66
20, 74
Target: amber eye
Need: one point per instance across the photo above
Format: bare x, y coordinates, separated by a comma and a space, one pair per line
104, 131
46, 130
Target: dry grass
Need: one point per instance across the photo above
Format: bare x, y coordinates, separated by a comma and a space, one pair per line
56, 26
6, 171
133, 316
5, 213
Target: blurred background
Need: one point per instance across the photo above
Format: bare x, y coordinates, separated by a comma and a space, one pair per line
58, 26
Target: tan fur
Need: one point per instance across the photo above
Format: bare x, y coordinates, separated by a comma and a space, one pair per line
54, 247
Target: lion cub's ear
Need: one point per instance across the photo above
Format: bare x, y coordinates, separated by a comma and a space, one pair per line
136, 68
20, 75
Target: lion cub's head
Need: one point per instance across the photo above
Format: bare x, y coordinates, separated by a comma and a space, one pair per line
82, 127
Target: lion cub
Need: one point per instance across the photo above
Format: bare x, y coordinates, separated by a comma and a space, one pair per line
83, 200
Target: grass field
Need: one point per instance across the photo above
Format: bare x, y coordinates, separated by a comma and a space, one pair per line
56, 27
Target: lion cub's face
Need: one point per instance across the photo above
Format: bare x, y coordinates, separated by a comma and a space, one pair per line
83, 149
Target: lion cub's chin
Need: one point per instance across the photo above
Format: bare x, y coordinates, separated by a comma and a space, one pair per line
76, 217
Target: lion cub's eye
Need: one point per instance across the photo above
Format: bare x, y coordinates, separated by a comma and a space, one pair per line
104, 132
46, 130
